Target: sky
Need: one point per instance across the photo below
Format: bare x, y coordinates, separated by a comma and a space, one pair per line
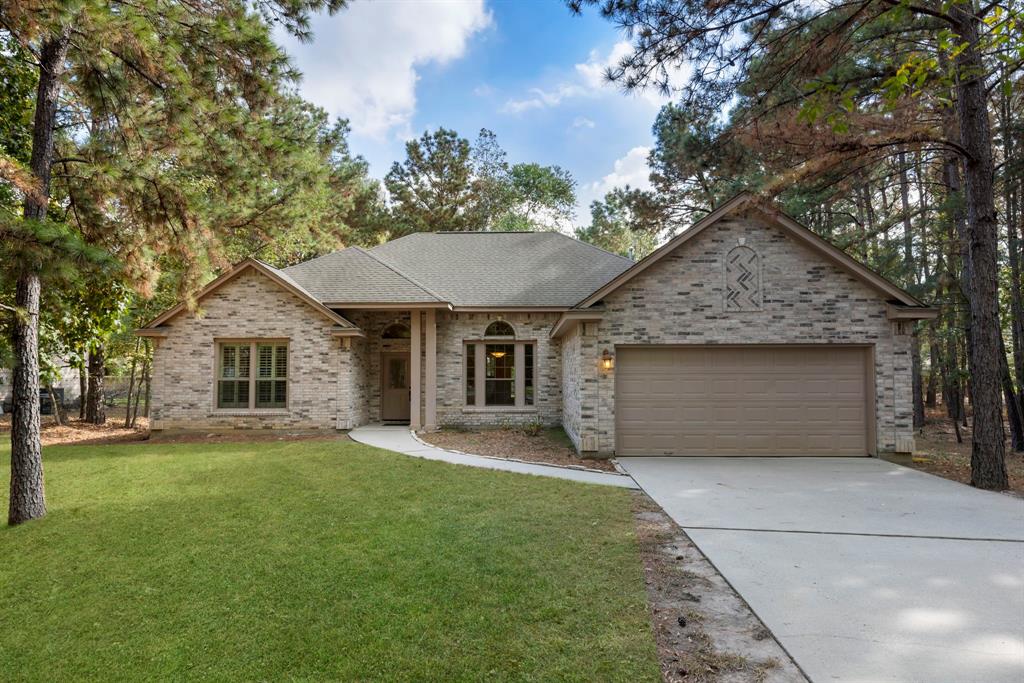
526, 69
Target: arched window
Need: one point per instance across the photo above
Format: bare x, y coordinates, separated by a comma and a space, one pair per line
499, 328
500, 370
396, 331
743, 280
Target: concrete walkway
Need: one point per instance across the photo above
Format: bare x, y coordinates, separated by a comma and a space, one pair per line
399, 439
865, 571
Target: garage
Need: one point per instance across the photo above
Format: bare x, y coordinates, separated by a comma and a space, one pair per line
743, 400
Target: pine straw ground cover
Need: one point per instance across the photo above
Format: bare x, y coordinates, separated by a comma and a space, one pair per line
548, 445
317, 560
936, 451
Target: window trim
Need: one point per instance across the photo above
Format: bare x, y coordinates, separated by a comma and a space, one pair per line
253, 342
480, 375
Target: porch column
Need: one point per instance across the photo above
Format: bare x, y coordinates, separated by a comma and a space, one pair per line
430, 418
414, 370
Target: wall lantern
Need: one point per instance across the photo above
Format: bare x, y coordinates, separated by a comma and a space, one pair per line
607, 360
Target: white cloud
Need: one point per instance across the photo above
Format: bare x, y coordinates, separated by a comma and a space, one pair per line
593, 71
483, 90
581, 122
540, 98
630, 169
362, 63
588, 80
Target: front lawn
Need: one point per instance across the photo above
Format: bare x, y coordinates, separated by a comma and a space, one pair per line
317, 560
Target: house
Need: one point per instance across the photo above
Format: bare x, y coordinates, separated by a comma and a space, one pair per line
746, 334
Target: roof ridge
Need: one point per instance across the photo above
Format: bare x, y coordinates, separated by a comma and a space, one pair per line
594, 246
317, 258
398, 272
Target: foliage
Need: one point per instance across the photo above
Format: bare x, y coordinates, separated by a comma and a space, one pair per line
626, 222
445, 183
308, 550
17, 89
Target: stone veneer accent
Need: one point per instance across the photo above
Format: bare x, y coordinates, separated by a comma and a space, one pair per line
681, 300
251, 306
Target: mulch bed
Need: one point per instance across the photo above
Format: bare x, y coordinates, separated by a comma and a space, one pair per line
76, 431
549, 446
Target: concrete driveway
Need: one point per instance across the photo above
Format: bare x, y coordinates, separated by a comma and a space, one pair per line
865, 571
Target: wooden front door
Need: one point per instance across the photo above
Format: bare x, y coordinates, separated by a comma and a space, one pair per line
394, 393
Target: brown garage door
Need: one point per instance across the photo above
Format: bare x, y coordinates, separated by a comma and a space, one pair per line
753, 400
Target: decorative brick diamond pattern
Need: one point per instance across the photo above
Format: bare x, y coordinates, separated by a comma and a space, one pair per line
742, 280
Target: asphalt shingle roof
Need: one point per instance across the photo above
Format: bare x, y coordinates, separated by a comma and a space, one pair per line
464, 269
354, 276
503, 268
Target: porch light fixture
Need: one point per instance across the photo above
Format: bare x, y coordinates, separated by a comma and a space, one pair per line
498, 354
607, 360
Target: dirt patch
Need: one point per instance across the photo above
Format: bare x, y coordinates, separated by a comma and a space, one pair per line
547, 445
937, 452
705, 633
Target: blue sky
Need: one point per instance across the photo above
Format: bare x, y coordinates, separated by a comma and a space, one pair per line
526, 69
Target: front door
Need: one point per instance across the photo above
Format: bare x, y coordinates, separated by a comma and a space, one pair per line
394, 395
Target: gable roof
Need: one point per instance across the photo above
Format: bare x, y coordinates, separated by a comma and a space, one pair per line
344, 327
499, 269
356, 276
801, 234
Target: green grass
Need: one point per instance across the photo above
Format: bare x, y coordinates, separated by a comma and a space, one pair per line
317, 560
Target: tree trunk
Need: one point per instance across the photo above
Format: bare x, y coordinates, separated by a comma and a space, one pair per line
128, 420
54, 405
915, 374
1013, 415
95, 410
988, 458
933, 357
147, 376
28, 498
83, 387
908, 234
1013, 251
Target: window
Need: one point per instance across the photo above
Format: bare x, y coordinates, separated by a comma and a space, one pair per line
500, 371
233, 383
271, 377
528, 379
500, 375
471, 374
499, 328
239, 388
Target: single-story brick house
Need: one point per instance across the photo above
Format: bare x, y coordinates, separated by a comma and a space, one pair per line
746, 334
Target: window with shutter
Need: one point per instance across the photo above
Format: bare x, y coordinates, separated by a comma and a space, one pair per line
233, 377
271, 382
239, 386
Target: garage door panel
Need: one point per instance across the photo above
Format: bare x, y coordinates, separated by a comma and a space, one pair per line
741, 401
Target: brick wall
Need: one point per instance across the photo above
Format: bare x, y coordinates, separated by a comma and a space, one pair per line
803, 299
250, 306
455, 328
572, 385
